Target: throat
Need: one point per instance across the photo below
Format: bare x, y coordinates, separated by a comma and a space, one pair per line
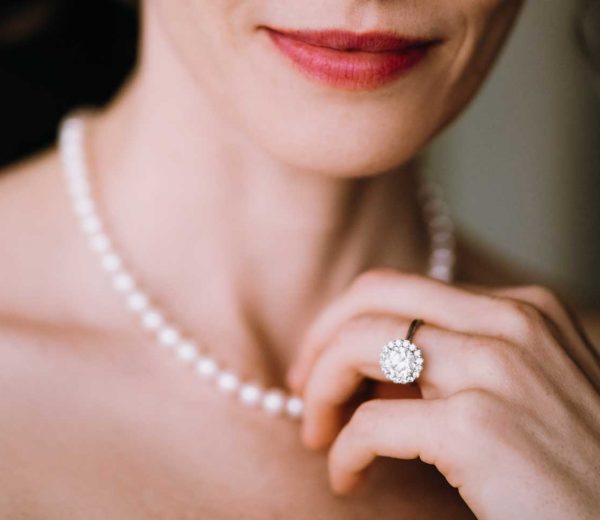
285, 273
245, 252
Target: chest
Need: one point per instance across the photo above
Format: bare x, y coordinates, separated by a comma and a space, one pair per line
113, 443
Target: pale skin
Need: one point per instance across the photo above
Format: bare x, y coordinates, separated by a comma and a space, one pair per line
269, 246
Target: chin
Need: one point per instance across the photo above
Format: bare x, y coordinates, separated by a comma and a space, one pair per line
349, 138
339, 152
320, 95
333, 131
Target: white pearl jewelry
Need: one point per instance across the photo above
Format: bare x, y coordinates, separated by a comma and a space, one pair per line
168, 336
186, 351
250, 394
123, 282
207, 367
228, 381
273, 401
294, 406
137, 301
152, 319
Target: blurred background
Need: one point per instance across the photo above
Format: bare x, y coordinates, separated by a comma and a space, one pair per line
521, 168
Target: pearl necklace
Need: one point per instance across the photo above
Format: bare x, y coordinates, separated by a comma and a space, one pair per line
167, 334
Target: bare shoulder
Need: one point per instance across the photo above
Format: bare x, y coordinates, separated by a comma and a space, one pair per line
28, 201
35, 234
23, 181
35, 240
39, 368
19, 341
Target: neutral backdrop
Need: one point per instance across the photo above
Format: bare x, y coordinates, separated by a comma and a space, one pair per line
521, 168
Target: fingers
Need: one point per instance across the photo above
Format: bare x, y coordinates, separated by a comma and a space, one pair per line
413, 296
543, 299
376, 291
561, 319
403, 429
486, 353
452, 362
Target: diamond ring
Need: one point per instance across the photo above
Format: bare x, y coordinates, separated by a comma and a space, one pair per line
401, 360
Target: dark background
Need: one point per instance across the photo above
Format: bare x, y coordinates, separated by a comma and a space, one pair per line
55, 55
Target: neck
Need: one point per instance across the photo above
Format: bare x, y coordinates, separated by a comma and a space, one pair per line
236, 244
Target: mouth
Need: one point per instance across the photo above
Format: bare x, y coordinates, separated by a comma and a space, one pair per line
350, 60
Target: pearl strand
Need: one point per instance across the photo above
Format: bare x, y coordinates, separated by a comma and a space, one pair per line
274, 401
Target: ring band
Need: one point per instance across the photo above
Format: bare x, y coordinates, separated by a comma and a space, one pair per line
401, 360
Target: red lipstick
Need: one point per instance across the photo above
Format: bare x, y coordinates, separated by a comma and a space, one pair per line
350, 60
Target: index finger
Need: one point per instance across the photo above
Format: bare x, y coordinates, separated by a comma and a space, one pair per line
405, 294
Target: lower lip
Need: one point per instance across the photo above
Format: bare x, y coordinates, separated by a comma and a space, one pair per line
350, 70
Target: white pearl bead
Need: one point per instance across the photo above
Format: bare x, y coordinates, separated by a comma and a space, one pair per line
434, 207
74, 158
123, 282
100, 242
206, 367
441, 272
294, 406
137, 301
273, 402
79, 187
91, 224
84, 206
441, 222
442, 255
187, 351
72, 131
430, 190
111, 262
227, 382
442, 239
250, 394
152, 319
168, 336
70, 144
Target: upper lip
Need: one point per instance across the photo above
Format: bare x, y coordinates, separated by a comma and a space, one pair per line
370, 41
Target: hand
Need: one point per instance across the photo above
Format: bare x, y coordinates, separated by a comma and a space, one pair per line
509, 403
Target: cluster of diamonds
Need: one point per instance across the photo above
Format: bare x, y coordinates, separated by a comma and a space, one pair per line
401, 361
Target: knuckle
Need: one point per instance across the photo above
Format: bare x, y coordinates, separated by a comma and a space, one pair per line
363, 420
544, 297
361, 322
473, 411
479, 420
524, 319
373, 278
496, 357
503, 365
354, 327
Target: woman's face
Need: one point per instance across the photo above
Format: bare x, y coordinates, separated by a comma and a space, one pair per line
338, 116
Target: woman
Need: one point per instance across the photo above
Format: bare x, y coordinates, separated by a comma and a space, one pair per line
261, 184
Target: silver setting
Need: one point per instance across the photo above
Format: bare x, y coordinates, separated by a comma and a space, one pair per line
401, 361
